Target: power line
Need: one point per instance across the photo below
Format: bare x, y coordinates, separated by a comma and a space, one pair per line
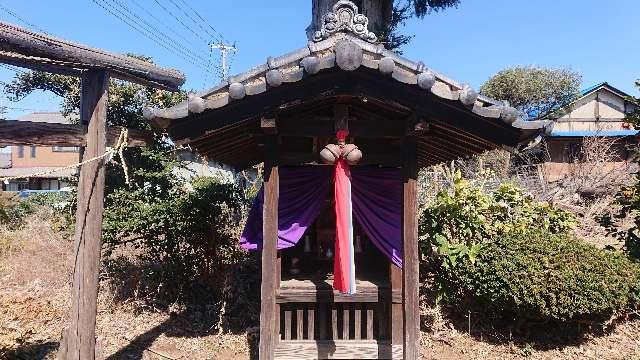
164, 24
213, 36
180, 21
21, 19
204, 21
155, 37
152, 28
146, 35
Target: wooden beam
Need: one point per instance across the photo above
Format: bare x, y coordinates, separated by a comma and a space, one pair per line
268, 331
79, 338
411, 258
14, 132
26, 48
341, 117
268, 125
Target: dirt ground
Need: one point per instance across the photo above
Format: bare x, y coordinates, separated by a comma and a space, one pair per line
34, 293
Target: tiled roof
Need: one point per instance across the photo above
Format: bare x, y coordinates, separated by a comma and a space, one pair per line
603, 85
26, 171
325, 54
52, 117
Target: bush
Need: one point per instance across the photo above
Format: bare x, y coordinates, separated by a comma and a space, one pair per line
507, 252
539, 275
193, 233
14, 210
463, 219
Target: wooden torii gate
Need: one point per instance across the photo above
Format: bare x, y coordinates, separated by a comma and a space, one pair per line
37, 51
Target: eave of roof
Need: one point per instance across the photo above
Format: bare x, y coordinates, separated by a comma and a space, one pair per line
317, 56
26, 172
606, 85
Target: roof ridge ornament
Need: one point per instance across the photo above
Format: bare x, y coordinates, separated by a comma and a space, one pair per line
345, 18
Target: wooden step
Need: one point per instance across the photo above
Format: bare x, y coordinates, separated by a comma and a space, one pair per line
322, 291
338, 349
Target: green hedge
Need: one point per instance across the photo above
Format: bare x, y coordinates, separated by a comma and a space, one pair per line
507, 252
536, 274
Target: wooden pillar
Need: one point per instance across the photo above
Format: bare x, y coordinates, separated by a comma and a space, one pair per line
410, 253
268, 313
396, 311
79, 338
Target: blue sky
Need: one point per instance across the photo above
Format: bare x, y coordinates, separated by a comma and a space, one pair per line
469, 44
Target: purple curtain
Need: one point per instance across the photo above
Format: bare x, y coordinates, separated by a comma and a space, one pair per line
302, 190
376, 194
377, 205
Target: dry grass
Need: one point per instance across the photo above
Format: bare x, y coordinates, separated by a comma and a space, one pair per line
34, 292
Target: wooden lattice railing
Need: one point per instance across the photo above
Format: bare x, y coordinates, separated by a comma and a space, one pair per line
333, 321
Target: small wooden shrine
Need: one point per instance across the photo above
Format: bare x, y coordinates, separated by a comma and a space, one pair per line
402, 116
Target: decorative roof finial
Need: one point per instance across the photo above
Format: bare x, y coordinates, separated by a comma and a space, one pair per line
345, 18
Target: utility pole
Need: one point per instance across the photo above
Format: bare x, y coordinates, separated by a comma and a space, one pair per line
224, 49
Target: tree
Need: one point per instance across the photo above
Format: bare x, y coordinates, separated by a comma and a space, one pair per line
385, 16
634, 117
189, 226
538, 92
628, 199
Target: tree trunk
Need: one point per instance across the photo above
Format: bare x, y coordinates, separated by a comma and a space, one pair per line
378, 11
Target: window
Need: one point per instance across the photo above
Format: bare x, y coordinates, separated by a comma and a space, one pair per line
21, 151
66, 149
33, 152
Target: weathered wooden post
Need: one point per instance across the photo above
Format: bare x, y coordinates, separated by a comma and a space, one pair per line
411, 285
79, 338
268, 315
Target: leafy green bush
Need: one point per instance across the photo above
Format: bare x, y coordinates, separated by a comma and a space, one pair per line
463, 219
536, 274
507, 252
193, 233
628, 207
13, 210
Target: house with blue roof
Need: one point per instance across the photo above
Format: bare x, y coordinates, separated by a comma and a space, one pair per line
599, 111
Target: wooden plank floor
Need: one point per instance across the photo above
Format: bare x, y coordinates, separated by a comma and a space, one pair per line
339, 349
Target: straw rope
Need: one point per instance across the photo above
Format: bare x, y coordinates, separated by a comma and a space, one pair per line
118, 149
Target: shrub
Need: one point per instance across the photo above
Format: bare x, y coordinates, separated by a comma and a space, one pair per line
628, 208
193, 233
539, 275
463, 219
507, 252
13, 210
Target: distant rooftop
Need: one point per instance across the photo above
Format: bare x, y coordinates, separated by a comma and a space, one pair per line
603, 85
51, 117
594, 133
27, 171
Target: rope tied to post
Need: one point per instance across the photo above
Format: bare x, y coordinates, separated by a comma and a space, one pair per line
117, 149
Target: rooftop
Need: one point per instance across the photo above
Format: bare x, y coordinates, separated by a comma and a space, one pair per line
343, 65
51, 117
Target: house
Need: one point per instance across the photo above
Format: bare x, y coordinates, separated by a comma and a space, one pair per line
599, 112
23, 160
